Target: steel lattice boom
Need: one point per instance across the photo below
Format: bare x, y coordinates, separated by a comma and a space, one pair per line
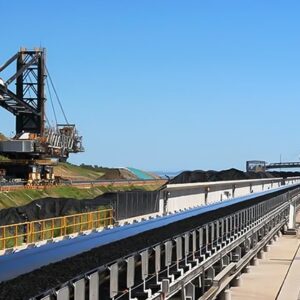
23, 95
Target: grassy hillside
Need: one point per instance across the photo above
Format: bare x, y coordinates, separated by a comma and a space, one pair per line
73, 172
22, 197
88, 172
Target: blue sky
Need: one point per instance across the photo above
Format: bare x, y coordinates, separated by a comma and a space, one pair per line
169, 85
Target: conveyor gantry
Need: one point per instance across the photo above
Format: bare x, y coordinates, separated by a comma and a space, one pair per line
197, 262
263, 166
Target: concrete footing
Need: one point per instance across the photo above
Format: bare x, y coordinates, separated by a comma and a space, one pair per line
246, 270
266, 248
237, 282
226, 295
279, 234
254, 261
261, 255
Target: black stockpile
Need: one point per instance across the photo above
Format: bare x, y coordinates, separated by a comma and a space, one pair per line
142, 202
48, 277
56, 207
52, 207
230, 174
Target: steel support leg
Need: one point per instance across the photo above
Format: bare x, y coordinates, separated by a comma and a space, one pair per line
188, 292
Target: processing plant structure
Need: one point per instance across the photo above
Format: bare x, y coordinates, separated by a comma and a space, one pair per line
263, 166
36, 146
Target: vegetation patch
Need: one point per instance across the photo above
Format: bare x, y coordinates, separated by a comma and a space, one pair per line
74, 172
24, 196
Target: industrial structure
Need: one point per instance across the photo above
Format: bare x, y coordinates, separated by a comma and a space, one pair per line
263, 166
184, 241
194, 245
36, 146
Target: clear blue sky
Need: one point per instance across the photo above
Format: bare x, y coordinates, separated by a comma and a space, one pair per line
169, 85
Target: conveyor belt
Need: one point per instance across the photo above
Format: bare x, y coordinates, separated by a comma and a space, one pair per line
15, 264
101, 246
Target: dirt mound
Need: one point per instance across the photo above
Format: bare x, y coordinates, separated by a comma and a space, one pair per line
3, 137
115, 174
73, 172
230, 174
109, 173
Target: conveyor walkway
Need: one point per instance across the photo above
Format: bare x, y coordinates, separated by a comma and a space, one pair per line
264, 281
291, 287
277, 274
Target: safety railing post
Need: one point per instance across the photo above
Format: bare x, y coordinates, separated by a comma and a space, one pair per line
64, 226
16, 235
28, 233
32, 232
74, 224
80, 220
42, 229
4, 238
90, 221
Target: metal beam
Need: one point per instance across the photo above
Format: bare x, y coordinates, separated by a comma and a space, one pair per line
21, 70
7, 63
11, 95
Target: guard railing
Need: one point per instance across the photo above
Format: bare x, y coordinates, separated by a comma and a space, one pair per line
20, 234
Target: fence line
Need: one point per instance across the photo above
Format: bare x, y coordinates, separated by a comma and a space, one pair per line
81, 184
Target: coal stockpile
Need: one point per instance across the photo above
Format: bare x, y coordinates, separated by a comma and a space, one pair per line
141, 202
50, 208
53, 275
230, 174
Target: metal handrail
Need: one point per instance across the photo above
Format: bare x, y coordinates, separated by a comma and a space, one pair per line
20, 234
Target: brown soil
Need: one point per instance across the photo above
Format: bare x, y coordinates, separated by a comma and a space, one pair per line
3, 137
114, 174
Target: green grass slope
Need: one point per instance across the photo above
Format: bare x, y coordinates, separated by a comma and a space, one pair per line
24, 196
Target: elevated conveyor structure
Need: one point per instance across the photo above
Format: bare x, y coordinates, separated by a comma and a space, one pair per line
194, 252
263, 166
